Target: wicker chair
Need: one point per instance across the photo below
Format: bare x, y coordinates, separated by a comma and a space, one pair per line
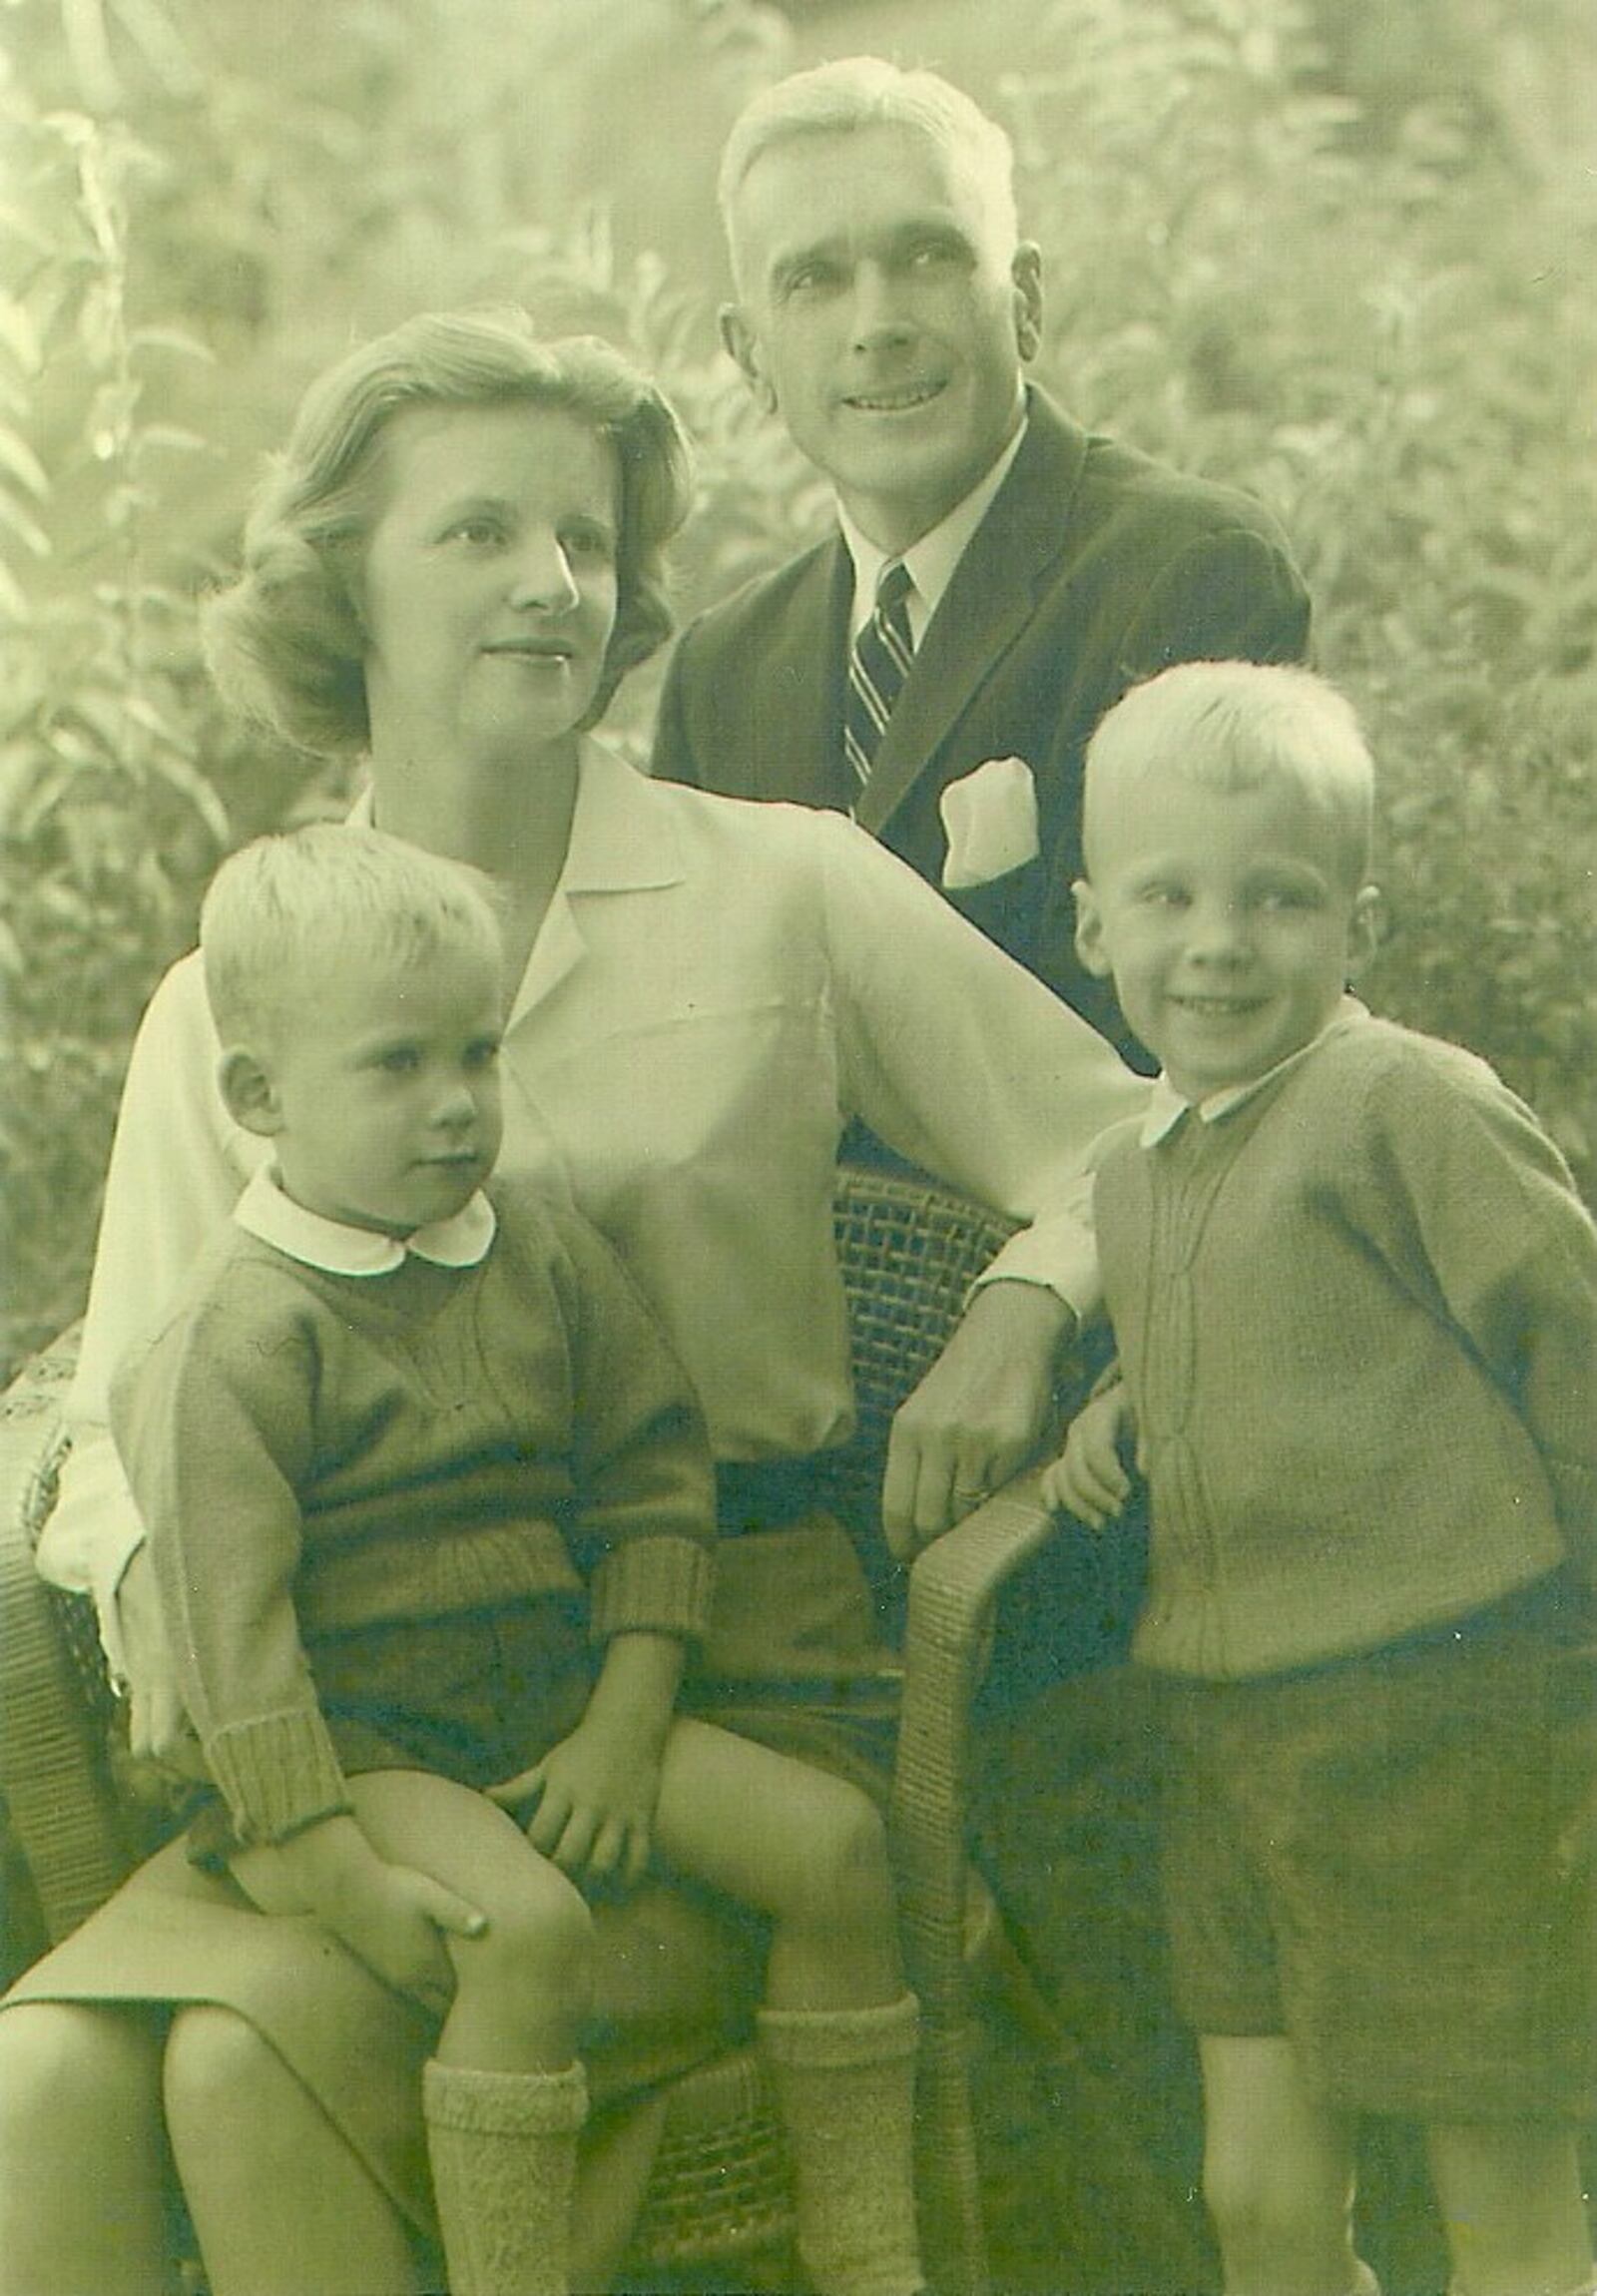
720, 2190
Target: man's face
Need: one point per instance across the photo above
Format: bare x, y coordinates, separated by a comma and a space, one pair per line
886, 313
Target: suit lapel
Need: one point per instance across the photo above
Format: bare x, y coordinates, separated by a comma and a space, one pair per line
985, 609
798, 699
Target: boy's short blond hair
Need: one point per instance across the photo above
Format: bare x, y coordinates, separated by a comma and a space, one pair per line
1231, 726
286, 909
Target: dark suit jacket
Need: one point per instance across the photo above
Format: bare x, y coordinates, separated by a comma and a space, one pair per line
1093, 568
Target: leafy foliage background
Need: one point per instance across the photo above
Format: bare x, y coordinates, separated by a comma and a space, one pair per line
1341, 253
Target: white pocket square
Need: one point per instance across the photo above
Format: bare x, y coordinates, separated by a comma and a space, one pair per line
990, 820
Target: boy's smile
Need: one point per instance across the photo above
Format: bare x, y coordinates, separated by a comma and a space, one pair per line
1228, 921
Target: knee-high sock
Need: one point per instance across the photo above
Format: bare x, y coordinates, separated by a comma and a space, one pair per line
845, 2087
503, 2148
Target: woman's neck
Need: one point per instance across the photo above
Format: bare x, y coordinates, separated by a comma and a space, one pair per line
511, 821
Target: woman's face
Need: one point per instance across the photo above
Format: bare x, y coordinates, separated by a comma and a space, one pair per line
488, 589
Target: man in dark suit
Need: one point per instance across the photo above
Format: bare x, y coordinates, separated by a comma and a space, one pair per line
887, 309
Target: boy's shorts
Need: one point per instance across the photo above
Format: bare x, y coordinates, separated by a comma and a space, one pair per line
1388, 1859
478, 1697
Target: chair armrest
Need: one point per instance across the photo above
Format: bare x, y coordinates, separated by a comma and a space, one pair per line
953, 1589
54, 1772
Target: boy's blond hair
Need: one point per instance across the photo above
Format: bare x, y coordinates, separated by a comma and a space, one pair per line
286, 909
1231, 726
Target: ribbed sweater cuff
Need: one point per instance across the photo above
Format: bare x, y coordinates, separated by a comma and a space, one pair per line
654, 1586
279, 1773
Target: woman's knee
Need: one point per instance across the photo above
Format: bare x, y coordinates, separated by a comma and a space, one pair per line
68, 2064
215, 2065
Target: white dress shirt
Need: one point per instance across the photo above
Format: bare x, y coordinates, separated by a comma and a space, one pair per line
930, 562
716, 988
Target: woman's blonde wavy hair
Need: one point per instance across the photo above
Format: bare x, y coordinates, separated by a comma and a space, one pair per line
285, 638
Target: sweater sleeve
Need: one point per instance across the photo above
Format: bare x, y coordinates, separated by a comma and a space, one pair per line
644, 1522
1477, 1211
214, 1424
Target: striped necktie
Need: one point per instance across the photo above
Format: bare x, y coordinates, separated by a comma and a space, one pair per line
878, 664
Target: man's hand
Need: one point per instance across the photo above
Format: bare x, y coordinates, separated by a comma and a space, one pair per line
977, 1415
1091, 1480
158, 1728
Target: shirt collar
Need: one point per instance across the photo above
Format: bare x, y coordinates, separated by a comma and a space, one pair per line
931, 561
264, 1211
1166, 1107
623, 831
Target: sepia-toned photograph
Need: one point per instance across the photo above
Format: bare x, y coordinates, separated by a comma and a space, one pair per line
798, 1148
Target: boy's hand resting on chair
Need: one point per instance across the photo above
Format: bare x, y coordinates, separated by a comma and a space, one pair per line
1090, 1479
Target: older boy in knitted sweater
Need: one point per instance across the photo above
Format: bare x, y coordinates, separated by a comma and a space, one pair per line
1354, 1297
431, 1510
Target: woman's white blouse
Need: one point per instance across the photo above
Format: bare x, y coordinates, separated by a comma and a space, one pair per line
717, 987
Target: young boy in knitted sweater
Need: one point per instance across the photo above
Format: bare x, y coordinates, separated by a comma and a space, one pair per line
1354, 1297
431, 1509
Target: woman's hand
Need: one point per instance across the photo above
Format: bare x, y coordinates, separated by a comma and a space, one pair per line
977, 1415
1090, 1481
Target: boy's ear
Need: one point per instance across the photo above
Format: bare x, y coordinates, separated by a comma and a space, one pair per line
248, 1091
1365, 926
1090, 930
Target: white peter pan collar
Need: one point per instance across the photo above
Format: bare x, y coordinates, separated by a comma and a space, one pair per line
264, 1211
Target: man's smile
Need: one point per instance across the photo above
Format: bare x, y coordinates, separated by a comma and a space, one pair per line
902, 399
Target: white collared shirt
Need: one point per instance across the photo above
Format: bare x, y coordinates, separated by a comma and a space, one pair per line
1166, 1107
335, 1247
930, 562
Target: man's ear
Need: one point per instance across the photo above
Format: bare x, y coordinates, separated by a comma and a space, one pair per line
742, 348
1090, 930
1025, 271
1365, 929
248, 1091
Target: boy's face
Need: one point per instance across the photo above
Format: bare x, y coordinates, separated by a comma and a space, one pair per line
383, 1098
1227, 921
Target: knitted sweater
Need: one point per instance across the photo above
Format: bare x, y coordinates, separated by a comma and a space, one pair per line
316, 1452
1358, 1317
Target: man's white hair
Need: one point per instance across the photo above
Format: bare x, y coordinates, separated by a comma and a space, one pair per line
856, 92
